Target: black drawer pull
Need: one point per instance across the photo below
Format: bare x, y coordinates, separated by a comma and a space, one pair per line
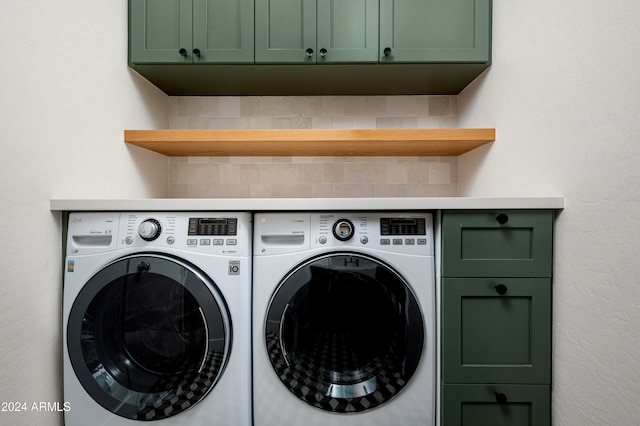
183, 52
502, 218
501, 398
501, 289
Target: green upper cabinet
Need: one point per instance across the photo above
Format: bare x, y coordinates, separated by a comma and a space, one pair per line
190, 31
450, 31
316, 31
347, 47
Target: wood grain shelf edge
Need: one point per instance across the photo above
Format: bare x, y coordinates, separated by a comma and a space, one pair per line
307, 142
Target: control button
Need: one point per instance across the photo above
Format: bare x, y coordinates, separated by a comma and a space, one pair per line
322, 240
218, 242
171, 240
232, 242
128, 240
149, 229
205, 242
397, 241
343, 230
234, 267
192, 242
364, 239
422, 241
385, 242
409, 241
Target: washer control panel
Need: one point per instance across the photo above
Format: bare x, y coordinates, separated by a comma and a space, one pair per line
202, 232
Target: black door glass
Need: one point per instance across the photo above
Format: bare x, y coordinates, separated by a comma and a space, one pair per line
344, 332
147, 338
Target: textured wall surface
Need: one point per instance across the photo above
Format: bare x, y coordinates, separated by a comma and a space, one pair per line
65, 97
563, 94
197, 177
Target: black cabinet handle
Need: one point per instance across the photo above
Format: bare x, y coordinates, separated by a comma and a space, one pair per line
501, 398
196, 52
502, 218
309, 52
387, 51
183, 52
501, 289
323, 52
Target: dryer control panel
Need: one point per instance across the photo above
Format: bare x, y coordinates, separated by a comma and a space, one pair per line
397, 232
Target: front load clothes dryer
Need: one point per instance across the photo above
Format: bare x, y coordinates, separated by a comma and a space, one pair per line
156, 319
343, 319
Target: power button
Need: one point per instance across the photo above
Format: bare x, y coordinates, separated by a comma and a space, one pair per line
234, 267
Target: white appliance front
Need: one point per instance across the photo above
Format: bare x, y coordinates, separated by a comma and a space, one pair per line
156, 318
343, 319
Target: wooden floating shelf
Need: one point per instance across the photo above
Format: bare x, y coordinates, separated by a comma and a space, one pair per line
311, 142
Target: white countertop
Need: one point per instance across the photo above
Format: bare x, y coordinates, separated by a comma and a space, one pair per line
306, 204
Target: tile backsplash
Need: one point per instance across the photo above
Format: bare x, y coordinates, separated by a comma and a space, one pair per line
290, 176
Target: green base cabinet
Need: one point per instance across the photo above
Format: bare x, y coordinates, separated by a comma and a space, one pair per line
496, 317
496, 405
191, 32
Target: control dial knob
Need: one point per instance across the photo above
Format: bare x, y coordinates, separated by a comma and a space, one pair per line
149, 229
343, 229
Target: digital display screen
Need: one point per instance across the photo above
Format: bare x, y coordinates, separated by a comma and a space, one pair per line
403, 226
213, 226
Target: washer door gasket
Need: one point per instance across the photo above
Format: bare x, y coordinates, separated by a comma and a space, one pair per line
344, 332
148, 336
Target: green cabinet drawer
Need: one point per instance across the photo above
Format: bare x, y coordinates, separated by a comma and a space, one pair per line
435, 31
496, 330
493, 243
496, 405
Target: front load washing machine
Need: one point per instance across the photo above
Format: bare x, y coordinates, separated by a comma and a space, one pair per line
343, 319
156, 318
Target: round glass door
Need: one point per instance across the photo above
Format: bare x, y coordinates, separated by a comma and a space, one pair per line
344, 332
147, 338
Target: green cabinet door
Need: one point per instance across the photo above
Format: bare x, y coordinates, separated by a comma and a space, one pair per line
496, 405
285, 31
496, 330
347, 31
453, 31
160, 31
507, 243
316, 32
188, 31
223, 31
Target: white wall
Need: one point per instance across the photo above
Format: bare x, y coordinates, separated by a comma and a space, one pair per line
66, 95
564, 95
